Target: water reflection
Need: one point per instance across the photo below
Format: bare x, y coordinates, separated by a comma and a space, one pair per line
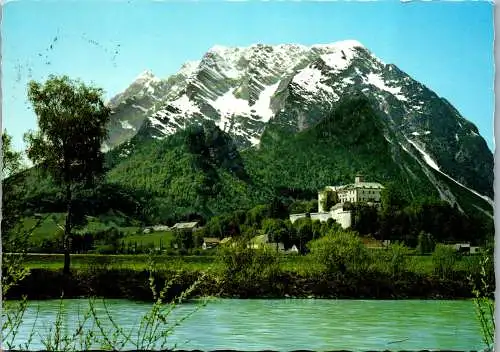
288, 324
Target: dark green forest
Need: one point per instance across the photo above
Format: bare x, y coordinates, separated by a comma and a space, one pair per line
199, 174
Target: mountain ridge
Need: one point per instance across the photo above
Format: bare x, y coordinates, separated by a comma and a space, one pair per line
247, 91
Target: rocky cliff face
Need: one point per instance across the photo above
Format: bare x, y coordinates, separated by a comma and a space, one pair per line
273, 91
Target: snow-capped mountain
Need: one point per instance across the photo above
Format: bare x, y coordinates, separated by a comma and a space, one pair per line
246, 90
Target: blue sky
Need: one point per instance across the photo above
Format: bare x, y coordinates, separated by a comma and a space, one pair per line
448, 46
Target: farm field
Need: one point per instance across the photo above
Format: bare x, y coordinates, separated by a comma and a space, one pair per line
119, 261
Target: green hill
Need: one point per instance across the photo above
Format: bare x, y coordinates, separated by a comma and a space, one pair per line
198, 172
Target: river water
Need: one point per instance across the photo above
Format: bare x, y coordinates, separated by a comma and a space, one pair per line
286, 324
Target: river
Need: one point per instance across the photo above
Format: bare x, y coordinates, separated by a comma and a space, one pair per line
289, 324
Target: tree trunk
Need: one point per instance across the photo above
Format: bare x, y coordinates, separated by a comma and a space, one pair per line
67, 230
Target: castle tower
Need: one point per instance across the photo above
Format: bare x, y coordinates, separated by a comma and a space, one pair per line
359, 178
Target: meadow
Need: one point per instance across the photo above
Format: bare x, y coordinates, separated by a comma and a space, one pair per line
288, 263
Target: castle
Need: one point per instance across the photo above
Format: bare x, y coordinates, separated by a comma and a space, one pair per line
359, 191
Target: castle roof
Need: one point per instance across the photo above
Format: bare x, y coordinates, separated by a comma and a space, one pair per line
366, 185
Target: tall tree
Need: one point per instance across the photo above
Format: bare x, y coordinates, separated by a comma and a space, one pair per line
72, 119
11, 164
11, 160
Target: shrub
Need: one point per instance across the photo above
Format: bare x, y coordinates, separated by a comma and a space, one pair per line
330, 198
106, 249
483, 300
425, 244
340, 251
444, 259
397, 258
241, 264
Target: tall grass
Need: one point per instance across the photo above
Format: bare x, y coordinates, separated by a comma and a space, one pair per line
484, 301
14, 271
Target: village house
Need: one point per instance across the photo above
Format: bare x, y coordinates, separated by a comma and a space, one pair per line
226, 240
156, 228
279, 246
210, 242
185, 226
262, 241
161, 228
359, 191
258, 241
465, 248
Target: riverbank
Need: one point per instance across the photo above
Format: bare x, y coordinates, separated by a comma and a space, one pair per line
134, 284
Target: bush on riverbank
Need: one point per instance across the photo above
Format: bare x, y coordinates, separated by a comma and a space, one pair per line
339, 265
130, 284
340, 251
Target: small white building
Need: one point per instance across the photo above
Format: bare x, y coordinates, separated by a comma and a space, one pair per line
474, 250
295, 217
462, 247
185, 226
161, 228
466, 248
278, 246
210, 242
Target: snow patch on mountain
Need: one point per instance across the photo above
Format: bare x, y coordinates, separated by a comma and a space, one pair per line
348, 80
185, 105
338, 60
126, 125
221, 49
404, 148
147, 75
262, 106
254, 141
435, 166
339, 55
427, 158
348, 44
444, 192
143, 109
189, 68
163, 128
377, 81
419, 133
147, 79
483, 211
309, 80
228, 105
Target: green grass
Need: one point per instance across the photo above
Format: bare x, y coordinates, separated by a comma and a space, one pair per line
150, 239
136, 262
289, 263
48, 229
129, 230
